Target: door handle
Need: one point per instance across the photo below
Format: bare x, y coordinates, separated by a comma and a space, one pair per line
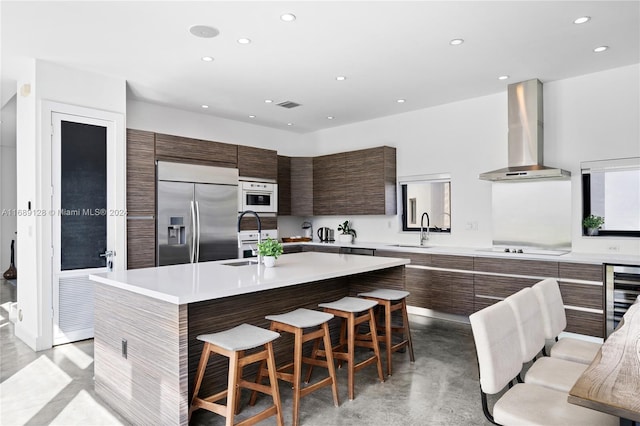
197, 256
193, 233
108, 255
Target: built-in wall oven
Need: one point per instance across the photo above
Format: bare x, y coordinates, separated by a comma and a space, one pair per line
623, 288
261, 197
249, 241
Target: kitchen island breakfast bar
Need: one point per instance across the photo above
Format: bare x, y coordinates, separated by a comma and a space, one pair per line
146, 320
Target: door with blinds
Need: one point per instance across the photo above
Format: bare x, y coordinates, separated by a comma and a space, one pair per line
83, 222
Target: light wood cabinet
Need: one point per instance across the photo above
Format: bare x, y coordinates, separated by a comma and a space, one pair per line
196, 151
257, 163
141, 173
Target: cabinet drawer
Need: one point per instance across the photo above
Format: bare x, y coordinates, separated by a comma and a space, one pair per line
581, 271
452, 262
416, 258
583, 295
585, 323
536, 268
249, 223
494, 286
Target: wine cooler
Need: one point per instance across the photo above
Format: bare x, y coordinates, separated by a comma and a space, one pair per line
623, 288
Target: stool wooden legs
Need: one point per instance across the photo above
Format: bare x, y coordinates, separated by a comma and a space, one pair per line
389, 307
237, 361
352, 340
295, 376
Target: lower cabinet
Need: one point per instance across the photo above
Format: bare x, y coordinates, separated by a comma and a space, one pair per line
322, 249
443, 291
141, 243
291, 249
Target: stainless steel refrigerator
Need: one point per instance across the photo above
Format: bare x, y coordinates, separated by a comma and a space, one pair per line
197, 213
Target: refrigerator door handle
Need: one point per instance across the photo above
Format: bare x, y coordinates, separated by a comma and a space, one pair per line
193, 233
197, 246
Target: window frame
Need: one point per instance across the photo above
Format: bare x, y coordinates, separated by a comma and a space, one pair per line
432, 178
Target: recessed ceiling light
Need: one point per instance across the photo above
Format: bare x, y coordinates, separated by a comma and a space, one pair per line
341, 78
288, 17
267, 101
600, 49
401, 101
205, 106
244, 40
582, 20
503, 77
252, 116
456, 42
289, 124
207, 58
203, 31
330, 117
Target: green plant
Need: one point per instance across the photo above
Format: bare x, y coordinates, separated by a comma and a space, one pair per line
593, 221
346, 228
270, 247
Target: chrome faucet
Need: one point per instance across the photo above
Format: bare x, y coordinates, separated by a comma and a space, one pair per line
422, 234
259, 230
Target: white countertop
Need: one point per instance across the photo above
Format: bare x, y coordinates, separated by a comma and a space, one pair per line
188, 283
483, 252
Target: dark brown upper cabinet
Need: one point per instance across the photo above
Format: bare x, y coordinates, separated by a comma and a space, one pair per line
359, 182
196, 151
141, 173
257, 163
295, 186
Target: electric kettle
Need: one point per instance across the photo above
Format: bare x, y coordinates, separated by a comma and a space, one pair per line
325, 234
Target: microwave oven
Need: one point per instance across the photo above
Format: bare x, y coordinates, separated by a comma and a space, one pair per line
261, 197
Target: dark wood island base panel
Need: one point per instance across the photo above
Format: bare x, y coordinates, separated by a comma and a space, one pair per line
152, 385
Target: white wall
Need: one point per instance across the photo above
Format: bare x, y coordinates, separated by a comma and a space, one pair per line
172, 121
590, 117
8, 193
49, 84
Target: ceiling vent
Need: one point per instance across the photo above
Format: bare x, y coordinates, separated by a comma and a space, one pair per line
288, 104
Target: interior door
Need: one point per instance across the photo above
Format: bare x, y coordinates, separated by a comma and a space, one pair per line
83, 219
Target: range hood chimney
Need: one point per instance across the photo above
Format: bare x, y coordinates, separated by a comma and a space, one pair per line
525, 137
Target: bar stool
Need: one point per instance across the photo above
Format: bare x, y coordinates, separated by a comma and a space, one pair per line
354, 311
295, 322
392, 300
232, 343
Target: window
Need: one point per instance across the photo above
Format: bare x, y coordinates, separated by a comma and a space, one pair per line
429, 194
611, 189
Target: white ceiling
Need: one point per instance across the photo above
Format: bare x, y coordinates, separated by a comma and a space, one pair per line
387, 50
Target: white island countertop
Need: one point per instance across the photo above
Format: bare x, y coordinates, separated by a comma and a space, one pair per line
195, 282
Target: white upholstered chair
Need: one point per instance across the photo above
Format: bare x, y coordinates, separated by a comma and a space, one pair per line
500, 360
554, 373
555, 321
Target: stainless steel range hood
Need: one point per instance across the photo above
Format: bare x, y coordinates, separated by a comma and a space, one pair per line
525, 137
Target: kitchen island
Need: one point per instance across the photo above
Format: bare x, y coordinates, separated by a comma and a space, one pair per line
147, 320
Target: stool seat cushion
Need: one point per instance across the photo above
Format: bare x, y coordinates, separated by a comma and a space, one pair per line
240, 338
301, 318
350, 304
386, 294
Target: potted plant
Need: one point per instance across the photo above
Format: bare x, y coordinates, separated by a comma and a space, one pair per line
593, 223
348, 233
270, 250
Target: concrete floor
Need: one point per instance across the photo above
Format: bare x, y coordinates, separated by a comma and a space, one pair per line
440, 388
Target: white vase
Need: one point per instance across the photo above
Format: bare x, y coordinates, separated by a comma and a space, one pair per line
269, 261
592, 232
345, 238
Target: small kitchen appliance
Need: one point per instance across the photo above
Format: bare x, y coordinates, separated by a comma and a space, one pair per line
307, 227
325, 234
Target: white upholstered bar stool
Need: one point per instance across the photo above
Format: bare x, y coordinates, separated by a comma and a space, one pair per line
500, 360
232, 344
390, 301
554, 373
555, 321
355, 311
296, 322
